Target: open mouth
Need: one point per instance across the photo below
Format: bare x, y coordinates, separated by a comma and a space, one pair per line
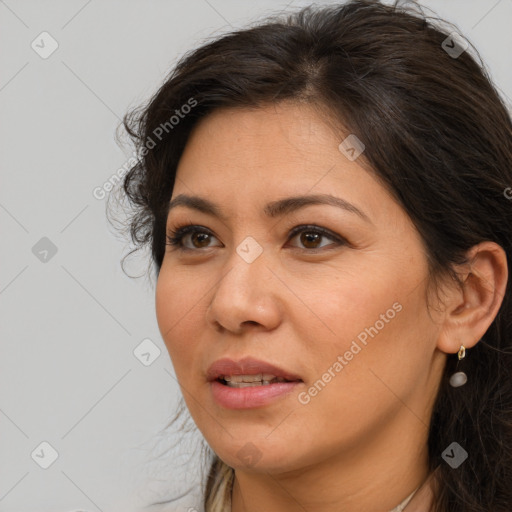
250, 391
250, 381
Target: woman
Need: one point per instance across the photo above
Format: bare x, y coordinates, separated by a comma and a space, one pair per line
325, 201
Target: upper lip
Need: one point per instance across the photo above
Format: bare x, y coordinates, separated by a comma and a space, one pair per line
246, 366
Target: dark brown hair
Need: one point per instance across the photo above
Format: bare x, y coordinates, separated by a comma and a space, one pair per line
437, 135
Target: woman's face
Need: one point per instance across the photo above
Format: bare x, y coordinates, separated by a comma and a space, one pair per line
343, 310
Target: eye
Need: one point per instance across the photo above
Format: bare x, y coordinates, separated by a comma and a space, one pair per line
198, 237
310, 236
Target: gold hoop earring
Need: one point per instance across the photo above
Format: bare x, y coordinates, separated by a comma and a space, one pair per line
459, 378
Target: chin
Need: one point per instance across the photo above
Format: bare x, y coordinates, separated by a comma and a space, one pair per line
259, 457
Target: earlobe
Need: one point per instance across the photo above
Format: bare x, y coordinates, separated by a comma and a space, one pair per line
472, 307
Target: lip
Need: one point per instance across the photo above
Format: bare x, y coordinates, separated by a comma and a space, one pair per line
250, 397
253, 396
246, 366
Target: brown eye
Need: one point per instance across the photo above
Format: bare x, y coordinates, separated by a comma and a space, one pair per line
310, 237
199, 239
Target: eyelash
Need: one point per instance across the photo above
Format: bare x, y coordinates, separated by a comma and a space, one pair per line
175, 237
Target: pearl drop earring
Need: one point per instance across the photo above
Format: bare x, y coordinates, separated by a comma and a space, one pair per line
459, 378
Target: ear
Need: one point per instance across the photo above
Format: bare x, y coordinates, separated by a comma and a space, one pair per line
471, 308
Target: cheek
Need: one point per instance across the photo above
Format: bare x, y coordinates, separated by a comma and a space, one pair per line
177, 304
344, 306
374, 318
165, 305
381, 365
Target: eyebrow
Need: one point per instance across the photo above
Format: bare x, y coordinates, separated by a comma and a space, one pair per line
273, 209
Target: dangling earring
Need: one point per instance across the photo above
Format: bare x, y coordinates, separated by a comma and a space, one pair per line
459, 378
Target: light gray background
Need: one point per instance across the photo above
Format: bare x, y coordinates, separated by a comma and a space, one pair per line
68, 374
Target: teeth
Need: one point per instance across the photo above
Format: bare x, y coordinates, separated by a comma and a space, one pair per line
249, 378
251, 384
243, 381
247, 384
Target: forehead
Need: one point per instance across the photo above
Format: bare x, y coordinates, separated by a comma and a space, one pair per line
243, 156
286, 119
288, 137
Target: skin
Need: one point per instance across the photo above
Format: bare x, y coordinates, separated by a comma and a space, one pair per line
360, 443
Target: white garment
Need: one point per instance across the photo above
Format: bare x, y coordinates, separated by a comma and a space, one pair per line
400, 508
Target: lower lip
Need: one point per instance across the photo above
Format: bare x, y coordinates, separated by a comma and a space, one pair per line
250, 397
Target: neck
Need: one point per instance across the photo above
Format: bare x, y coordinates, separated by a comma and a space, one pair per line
375, 476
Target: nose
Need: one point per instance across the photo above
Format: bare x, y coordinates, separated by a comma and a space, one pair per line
247, 294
